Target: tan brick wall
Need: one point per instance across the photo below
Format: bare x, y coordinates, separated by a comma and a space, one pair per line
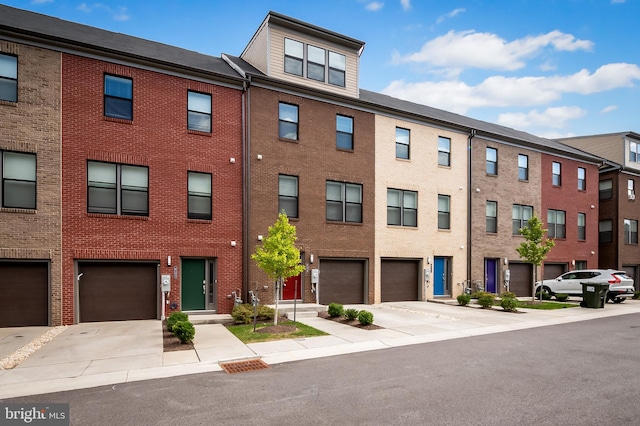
33, 125
421, 173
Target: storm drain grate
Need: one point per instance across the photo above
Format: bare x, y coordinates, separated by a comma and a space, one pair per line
244, 366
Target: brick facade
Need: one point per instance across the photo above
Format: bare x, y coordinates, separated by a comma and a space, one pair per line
32, 125
158, 138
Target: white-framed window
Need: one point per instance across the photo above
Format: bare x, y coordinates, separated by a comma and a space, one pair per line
444, 211
556, 174
403, 137
344, 132
492, 217
287, 121
444, 151
199, 195
520, 217
199, 111
120, 189
337, 69
634, 152
316, 60
315, 63
630, 231
556, 223
344, 202
402, 207
582, 226
288, 195
523, 167
118, 97
293, 56
492, 161
8, 78
18, 172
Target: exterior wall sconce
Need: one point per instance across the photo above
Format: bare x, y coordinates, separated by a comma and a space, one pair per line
232, 160
506, 261
168, 260
592, 206
259, 237
259, 157
593, 252
428, 260
233, 243
310, 258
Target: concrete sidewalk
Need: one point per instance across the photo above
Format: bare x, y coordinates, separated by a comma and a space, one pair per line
96, 354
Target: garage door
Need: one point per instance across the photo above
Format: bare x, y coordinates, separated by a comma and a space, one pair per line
24, 292
554, 270
399, 280
117, 291
341, 281
521, 276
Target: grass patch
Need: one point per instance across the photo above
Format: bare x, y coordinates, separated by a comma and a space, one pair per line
246, 334
545, 305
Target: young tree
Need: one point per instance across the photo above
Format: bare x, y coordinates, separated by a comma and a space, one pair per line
535, 247
278, 256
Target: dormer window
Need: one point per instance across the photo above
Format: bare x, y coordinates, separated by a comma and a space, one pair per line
306, 60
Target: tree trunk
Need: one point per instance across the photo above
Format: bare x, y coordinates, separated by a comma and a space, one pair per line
278, 286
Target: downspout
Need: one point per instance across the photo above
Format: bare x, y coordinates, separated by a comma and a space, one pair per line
246, 182
469, 204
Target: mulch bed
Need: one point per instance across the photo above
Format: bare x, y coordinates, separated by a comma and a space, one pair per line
171, 343
352, 323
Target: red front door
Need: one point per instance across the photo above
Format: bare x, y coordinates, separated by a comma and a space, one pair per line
292, 288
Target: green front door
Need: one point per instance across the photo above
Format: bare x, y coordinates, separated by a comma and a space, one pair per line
193, 284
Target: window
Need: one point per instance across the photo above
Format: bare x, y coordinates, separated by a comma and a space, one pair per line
402, 143
199, 112
606, 189
556, 174
315, 63
556, 223
492, 161
444, 212
344, 132
581, 264
492, 217
344, 202
444, 151
293, 56
402, 207
288, 121
337, 67
520, 217
18, 171
633, 152
605, 231
199, 195
117, 189
288, 195
631, 193
630, 231
582, 226
523, 167
582, 176
118, 95
8, 78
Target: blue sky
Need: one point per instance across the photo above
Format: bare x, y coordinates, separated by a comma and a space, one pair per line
553, 68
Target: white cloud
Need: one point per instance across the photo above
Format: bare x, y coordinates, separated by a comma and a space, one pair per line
374, 6
119, 15
609, 109
451, 14
488, 51
41, 1
406, 4
555, 118
500, 91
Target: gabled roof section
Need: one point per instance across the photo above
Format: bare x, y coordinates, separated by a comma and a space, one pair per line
63, 34
482, 128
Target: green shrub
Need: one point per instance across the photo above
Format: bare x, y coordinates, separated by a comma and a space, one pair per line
486, 300
636, 295
185, 331
335, 310
365, 317
351, 314
545, 295
477, 294
265, 312
562, 297
464, 299
174, 318
509, 304
509, 294
242, 314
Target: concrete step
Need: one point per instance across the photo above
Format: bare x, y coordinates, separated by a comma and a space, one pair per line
198, 319
302, 314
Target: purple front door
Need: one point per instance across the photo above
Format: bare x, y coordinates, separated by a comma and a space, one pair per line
491, 275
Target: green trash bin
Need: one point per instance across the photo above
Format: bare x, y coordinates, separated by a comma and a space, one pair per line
594, 295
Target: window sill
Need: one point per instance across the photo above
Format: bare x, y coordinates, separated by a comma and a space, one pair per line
289, 140
201, 221
199, 133
406, 160
444, 166
117, 216
17, 210
444, 230
401, 227
8, 103
344, 149
336, 222
491, 175
118, 120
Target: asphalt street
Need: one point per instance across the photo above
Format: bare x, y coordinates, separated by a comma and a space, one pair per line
582, 373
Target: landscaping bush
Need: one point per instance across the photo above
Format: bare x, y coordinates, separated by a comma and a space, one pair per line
486, 300
562, 297
477, 294
545, 295
508, 303
365, 317
351, 314
174, 318
265, 312
335, 310
185, 331
509, 294
242, 314
464, 299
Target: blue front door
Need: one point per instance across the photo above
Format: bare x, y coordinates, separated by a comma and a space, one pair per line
439, 276
490, 272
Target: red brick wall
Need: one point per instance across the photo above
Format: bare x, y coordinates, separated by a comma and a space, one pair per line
567, 197
157, 137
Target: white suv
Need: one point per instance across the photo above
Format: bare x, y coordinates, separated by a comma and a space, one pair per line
620, 284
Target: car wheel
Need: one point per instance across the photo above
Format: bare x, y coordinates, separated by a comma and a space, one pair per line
618, 300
